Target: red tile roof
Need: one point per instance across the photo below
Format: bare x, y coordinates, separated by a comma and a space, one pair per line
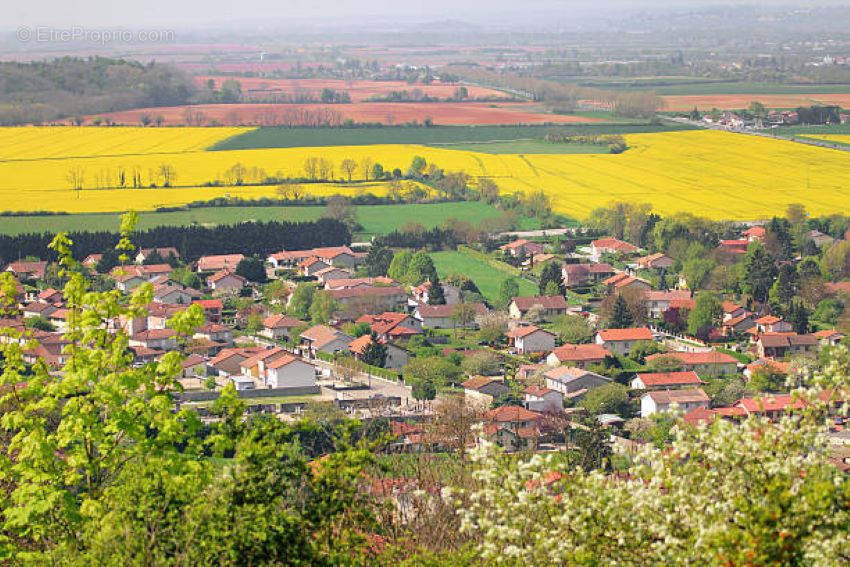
511, 414
524, 331
615, 245
633, 334
654, 379
689, 358
219, 262
281, 322
544, 301
770, 403
580, 353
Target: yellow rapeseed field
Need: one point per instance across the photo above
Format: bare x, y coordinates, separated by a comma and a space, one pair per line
716, 174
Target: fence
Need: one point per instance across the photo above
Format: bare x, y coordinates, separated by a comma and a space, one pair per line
208, 395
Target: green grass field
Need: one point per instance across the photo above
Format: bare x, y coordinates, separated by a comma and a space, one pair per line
376, 219
792, 131
486, 277
684, 85
280, 137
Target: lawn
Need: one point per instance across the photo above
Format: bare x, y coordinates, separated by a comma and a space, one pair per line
376, 219
488, 278
280, 137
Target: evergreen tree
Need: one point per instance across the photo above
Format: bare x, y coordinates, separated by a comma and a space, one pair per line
375, 353
551, 273
399, 265
435, 291
621, 318
798, 316
759, 272
420, 268
378, 261
786, 286
252, 269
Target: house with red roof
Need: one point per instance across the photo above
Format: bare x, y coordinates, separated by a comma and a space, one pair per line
349, 282
666, 380
279, 327
397, 357
657, 302
621, 282
732, 310
452, 294
158, 339
376, 299
289, 372
225, 282
212, 309
513, 427
391, 325
738, 324
770, 405
661, 401
577, 275
657, 261
527, 339
754, 233
573, 383
580, 356
773, 324
829, 337
736, 247
165, 253
621, 341
25, 270
332, 273
521, 248
482, 390
611, 245
440, 316
218, 262
710, 363
227, 361
321, 338
549, 306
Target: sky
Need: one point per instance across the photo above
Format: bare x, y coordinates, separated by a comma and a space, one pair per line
204, 13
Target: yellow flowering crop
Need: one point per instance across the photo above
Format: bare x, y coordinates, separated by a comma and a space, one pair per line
715, 174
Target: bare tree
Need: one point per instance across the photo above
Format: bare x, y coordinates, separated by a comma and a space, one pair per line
311, 168
348, 166
366, 165
167, 174
454, 417
326, 169
76, 178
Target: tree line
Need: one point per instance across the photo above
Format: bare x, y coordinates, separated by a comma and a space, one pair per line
249, 238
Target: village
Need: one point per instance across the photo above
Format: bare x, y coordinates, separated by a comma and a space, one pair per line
374, 347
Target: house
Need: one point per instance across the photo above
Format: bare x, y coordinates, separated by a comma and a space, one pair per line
521, 248
359, 300
128, 282
737, 325
484, 389
173, 294
256, 365
24, 270
290, 372
50, 348
542, 399
621, 341
332, 273
549, 306
735, 247
158, 339
573, 382
397, 357
219, 262
226, 282
91, 261
279, 327
321, 338
578, 275
193, 366
711, 363
38, 309
243, 383
773, 324
530, 339
440, 316
610, 245
776, 367
227, 361
658, 302
59, 319
580, 356
513, 427
657, 261
732, 310
621, 282
165, 253
215, 332
348, 282
148, 271
212, 309
311, 266
829, 337
50, 296
661, 401
820, 239
770, 406
338, 256
452, 294
665, 380
754, 233
780, 345
391, 325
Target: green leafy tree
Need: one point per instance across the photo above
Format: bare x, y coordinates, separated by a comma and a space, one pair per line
551, 274
572, 328
302, 299
323, 307
608, 398
508, 290
252, 269
420, 268
375, 352
706, 313
399, 265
